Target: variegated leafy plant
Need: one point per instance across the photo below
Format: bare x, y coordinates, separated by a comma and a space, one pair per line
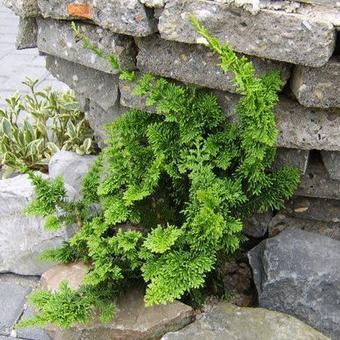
36, 126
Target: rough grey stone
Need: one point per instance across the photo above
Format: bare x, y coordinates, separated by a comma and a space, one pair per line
57, 38
227, 321
23, 8
12, 299
257, 225
23, 238
326, 210
71, 166
98, 86
291, 157
302, 128
331, 160
27, 34
318, 86
126, 16
298, 272
195, 64
153, 3
316, 183
31, 333
281, 222
277, 35
98, 119
128, 99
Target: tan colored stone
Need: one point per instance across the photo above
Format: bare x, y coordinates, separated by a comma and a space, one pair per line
132, 321
73, 273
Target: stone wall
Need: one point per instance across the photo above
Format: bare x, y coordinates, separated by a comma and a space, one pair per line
298, 38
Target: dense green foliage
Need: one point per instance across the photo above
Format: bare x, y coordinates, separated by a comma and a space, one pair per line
173, 186
34, 127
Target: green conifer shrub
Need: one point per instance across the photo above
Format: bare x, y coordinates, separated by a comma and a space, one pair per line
166, 198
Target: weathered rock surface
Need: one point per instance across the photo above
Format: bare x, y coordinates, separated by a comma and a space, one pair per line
317, 183
153, 3
58, 39
291, 157
126, 17
23, 8
257, 225
302, 39
98, 119
71, 166
27, 34
12, 296
281, 222
22, 238
226, 321
132, 320
331, 160
303, 128
97, 86
298, 273
194, 64
318, 209
73, 273
318, 86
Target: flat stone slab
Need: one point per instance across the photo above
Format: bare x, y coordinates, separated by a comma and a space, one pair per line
31, 333
57, 38
317, 183
318, 86
227, 321
129, 17
194, 64
12, 299
319, 209
278, 35
281, 222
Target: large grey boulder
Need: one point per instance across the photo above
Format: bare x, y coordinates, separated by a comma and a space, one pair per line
227, 321
23, 238
71, 166
298, 272
304, 39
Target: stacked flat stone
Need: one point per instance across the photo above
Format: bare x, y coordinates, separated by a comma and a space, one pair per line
298, 38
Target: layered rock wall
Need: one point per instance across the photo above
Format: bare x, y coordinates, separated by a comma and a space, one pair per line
298, 38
